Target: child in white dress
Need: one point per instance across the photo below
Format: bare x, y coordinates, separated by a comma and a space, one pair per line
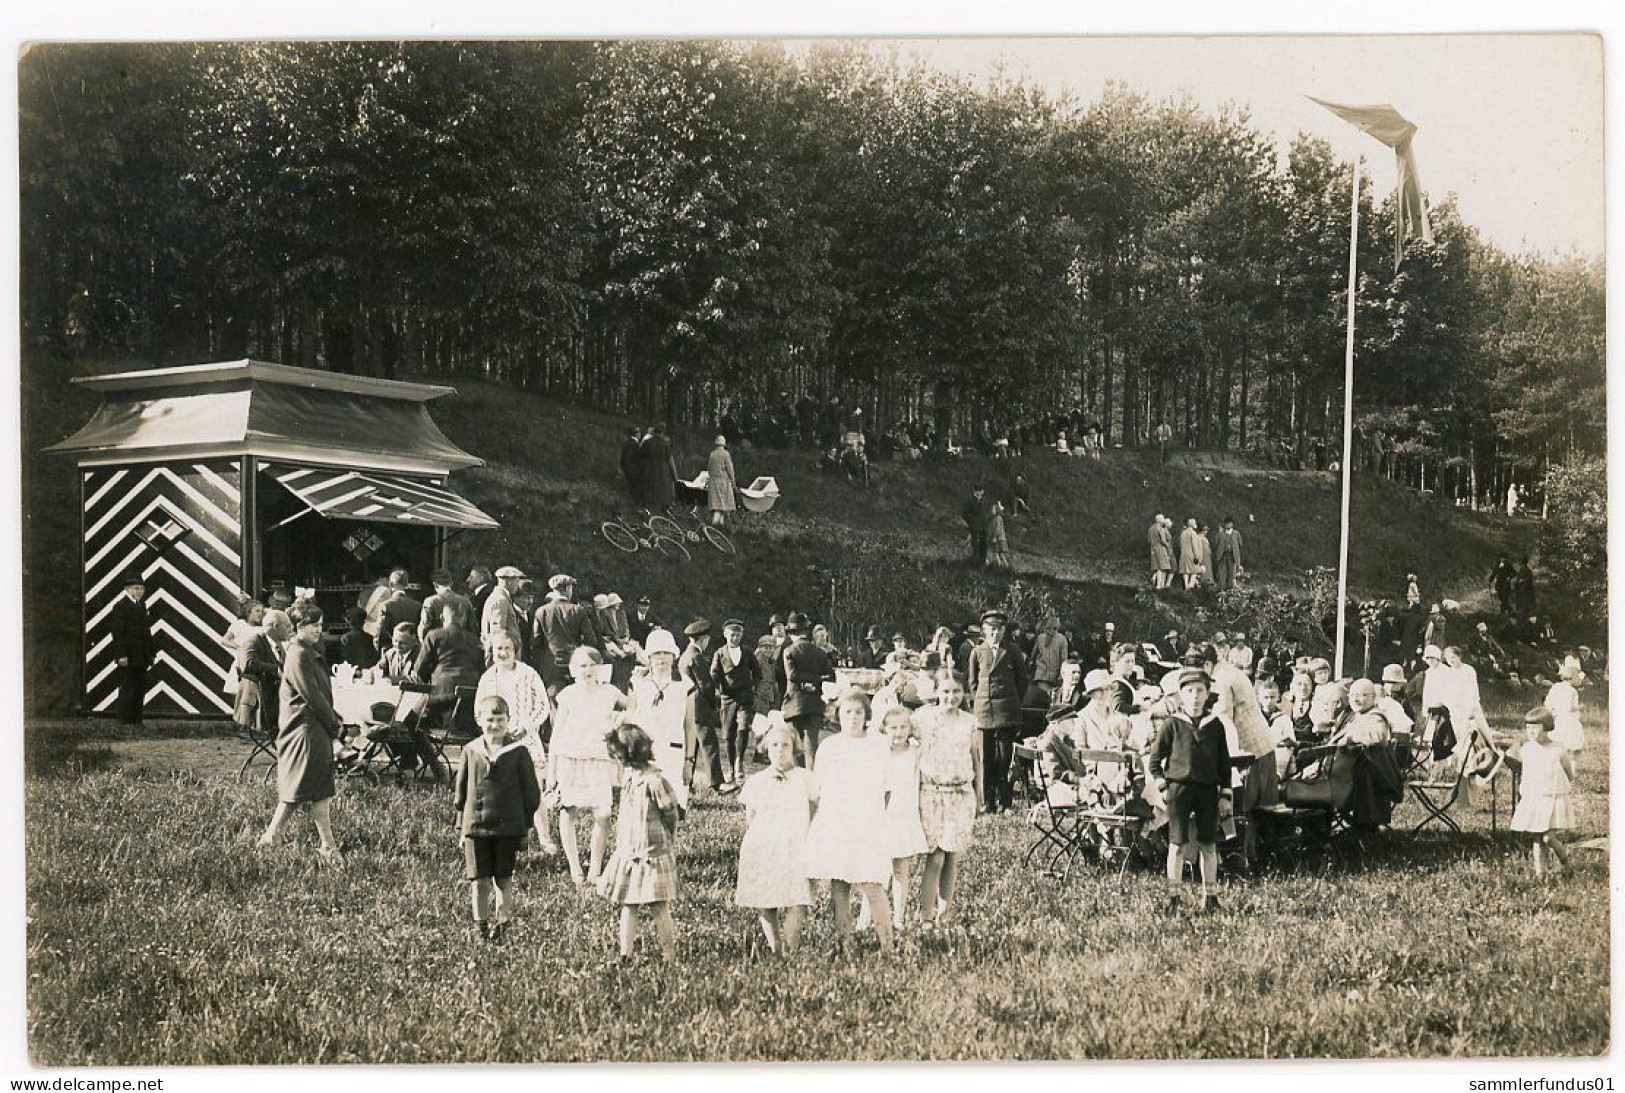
1543, 799
663, 710
1564, 701
773, 855
950, 766
580, 768
904, 836
850, 781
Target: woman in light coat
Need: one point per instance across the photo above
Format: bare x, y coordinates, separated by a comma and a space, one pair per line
1190, 553
720, 485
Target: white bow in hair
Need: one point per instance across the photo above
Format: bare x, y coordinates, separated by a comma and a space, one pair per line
303, 593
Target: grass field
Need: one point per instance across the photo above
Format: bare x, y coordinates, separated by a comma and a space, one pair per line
158, 934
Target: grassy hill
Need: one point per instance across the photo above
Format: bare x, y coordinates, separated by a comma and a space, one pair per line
893, 555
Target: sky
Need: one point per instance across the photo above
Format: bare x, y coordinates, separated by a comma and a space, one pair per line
1512, 124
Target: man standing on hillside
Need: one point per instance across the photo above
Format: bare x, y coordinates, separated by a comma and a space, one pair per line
1501, 578
1164, 436
130, 632
1227, 557
659, 472
974, 513
631, 451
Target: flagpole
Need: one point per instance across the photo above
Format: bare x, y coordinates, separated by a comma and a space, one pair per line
1348, 422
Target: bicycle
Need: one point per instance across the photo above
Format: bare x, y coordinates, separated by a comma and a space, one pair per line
702, 529
624, 535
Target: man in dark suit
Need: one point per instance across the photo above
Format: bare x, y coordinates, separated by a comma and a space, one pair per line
997, 681
695, 666
631, 455
480, 586
132, 648
803, 669
735, 674
873, 652
396, 607
444, 596
641, 621
564, 626
1069, 696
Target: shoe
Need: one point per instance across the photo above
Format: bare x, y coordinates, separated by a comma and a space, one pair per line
329, 855
264, 842
550, 849
728, 788
497, 930
483, 930
1210, 904
1174, 905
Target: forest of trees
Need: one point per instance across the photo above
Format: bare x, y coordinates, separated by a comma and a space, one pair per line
656, 226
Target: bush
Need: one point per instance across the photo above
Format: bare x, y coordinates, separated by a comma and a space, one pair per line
1574, 538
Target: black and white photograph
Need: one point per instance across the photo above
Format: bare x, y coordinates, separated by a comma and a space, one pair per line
769, 548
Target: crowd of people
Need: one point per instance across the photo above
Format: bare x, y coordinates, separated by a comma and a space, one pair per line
878, 759
1198, 560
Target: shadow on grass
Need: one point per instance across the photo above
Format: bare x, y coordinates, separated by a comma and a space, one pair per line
57, 748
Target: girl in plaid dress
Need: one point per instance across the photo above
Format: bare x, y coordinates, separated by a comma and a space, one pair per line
642, 872
950, 792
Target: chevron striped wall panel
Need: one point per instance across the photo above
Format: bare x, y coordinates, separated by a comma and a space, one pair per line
179, 524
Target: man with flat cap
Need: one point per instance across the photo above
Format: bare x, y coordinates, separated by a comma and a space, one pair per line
564, 626
997, 681
803, 669
695, 666
130, 628
499, 617
735, 675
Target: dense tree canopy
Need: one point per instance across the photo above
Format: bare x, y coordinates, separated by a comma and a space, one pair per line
662, 227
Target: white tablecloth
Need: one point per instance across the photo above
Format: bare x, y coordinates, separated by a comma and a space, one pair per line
353, 701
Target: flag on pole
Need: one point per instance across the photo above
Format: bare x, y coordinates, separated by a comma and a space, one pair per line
1387, 125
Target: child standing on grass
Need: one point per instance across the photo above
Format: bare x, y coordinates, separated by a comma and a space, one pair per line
950, 766
905, 838
773, 855
1543, 801
520, 687
1191, 764
496, 794
842, 843
642, 873
579, 767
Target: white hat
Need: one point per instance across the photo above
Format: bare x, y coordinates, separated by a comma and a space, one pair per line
510, 571
1147, 694
1097, 679
600, 601
660, 641
614, 600
1432, 652
555, 582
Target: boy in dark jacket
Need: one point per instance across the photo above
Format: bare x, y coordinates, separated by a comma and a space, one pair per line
1191, 764
496, 795
735, 674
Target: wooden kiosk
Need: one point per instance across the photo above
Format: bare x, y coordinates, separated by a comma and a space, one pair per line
216, 479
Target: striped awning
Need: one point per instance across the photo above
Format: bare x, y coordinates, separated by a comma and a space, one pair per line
381, 498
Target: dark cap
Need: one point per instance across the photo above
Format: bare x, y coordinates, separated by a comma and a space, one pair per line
995, 616
1194, 675
696, 628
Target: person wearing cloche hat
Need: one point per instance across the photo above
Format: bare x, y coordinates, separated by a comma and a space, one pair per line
132, 647
802, 670
720, 486
1100, 725
735, 675
663, 709
615, 634
1190, 764
997, 682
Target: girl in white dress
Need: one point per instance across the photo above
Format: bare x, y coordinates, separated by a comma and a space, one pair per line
580, 768
660, 698
519, 685
1543, 798
950, 766
850, 781
904, 836
1564, 702
773, 856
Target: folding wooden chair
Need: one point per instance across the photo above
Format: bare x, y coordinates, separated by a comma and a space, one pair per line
1314, 792
454, 727
401, 736
1110, 822
1059, 826
1438, 795
261, 742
